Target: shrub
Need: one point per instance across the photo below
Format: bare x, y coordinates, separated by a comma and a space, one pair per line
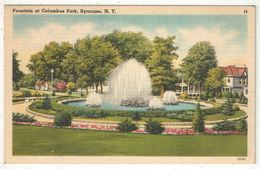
63, 119
19, 117
225, 126
184, 96
235, 108
198, 123
53, 93
38, 104
47, 102
154, 127
241, 125
27, 93
228, 108
16, 86
183, 116
136, 116
69, 92
127, 126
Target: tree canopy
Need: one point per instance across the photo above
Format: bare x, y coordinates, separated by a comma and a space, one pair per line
130, 45
160, 64
17, 73
200, 59
215, 80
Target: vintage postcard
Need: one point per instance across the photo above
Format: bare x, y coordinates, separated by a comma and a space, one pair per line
129, 84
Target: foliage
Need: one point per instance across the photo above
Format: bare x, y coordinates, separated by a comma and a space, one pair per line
136, 116
26, 93
184, 95
39, 104
49, 58
228, 108
127, 126
63, 119
19, 117
96, 58
160, 64
16, 86
17, 73
183, 116
215, 80
134, 102
130, 45
28, 81
53, 93
225, 126
154, 127
47, 102
198, 123
241, 125
200, 59
71, 86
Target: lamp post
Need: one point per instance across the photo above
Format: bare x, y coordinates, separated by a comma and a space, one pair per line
52, 79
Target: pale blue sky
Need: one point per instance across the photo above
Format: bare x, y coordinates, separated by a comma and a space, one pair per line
228, 33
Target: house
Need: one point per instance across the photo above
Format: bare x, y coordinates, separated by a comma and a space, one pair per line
236, 80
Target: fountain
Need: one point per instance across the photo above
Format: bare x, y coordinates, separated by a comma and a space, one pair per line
93, 100
156, 104
169, 98
129, 80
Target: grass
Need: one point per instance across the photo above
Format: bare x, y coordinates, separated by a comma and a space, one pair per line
221, 116
29, 140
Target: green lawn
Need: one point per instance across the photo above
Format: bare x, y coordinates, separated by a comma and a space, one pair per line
221, 116
28, 140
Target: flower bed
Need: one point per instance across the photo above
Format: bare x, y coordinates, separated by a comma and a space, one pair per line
168, 131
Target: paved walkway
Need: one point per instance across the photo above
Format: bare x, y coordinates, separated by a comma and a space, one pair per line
23, 108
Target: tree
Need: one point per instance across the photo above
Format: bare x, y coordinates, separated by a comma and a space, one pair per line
130, 45
215, 80
96, 60
200, 59
28, 81
47, 102
17, 73
49, 58
198, 123
228, 108
69, 67
160, 64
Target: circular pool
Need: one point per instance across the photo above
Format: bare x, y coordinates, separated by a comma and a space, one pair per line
109, 106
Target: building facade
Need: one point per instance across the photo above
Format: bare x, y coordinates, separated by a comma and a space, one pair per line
236, 80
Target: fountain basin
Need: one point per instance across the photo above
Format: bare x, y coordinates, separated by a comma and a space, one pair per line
109, 106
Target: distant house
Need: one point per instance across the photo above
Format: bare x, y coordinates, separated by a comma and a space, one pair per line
236, 80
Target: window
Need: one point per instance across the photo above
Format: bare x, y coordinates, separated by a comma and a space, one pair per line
240, 81
228, 80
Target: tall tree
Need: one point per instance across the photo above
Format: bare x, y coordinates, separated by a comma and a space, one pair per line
97, 59
198, 123
160, 64
201, 57
69, 67
215, 80
130, 45
49, 58
17, 73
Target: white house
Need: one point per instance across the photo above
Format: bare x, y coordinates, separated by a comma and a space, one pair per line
236, 80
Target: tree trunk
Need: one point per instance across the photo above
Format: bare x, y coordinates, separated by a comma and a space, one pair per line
101, 88
162, 90
96, 87
86, 91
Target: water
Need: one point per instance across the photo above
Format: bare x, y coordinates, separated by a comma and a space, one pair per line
129, 80
169, 97
156, 104
109, 106
93, 99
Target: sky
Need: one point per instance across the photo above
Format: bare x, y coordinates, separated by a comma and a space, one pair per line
227, 33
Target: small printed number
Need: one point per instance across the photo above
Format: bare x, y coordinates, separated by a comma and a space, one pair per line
245, 11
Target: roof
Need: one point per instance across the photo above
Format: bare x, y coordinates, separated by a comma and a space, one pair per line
234, 71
